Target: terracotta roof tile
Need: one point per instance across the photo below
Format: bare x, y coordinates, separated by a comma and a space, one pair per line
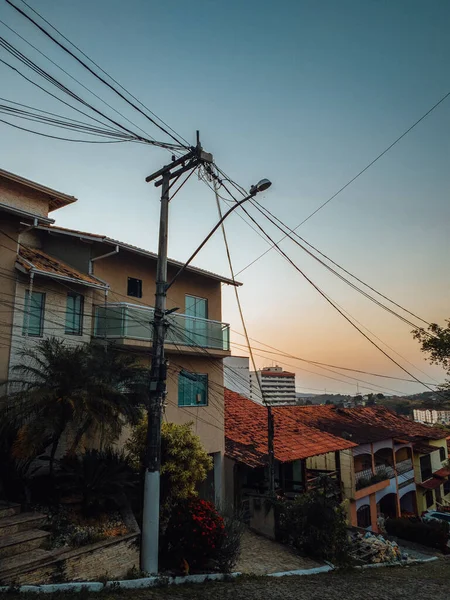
423, 448
246, 433
49, 265
365, 424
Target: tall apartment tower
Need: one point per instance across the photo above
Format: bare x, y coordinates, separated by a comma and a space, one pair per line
278, 386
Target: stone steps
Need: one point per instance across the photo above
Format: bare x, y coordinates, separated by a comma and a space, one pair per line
21, 522
22, 542
13, 565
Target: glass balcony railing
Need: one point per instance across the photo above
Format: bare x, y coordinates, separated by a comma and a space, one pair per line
122, 320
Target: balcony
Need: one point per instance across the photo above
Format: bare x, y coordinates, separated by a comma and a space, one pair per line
131, 325
404, 466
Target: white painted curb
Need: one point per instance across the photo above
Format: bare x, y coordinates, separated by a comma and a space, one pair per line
400, 563
126, 584
312, 571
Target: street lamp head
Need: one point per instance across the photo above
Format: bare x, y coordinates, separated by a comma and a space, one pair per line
261, 186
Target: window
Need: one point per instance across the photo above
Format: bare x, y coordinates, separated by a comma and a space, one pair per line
74, 314
442, 454
363, 516
192, 389
134, 287
195, 323
429, 499
425, 467
33, 317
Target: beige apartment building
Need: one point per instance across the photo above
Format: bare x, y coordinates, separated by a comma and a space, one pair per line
80, 286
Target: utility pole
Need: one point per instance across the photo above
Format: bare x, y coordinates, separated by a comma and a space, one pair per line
150, 521
271, 451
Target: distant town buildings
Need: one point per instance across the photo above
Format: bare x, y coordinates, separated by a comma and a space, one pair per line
278, 386
431, 416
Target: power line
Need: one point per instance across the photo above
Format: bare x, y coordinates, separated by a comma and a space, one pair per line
79, 82
104, 72
333, 196
56, 137
332, 303
292, 231
86, 66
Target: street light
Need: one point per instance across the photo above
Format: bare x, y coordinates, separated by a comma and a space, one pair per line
261, 186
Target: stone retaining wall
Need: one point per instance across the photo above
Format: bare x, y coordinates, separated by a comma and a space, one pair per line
110, 559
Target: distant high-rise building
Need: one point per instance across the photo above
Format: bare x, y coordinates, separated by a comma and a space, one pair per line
278, 386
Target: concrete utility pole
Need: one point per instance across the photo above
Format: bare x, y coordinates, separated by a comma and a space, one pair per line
150, 521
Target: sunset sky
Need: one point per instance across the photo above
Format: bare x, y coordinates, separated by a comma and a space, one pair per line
305, 93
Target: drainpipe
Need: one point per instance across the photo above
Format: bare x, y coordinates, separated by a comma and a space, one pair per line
115, 251
30, 295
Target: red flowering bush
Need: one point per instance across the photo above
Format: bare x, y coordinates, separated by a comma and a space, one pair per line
194, 532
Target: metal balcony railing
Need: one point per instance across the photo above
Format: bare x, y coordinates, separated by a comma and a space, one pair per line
367, 477
404, 466
121, 320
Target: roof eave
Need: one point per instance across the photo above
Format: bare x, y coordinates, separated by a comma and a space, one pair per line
54, 195
25, 214
58, 277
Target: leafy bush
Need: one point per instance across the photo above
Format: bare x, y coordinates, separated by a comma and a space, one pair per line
70, 529
184, 461
195, 532
230, 548
316, 524
434, 534
100, 477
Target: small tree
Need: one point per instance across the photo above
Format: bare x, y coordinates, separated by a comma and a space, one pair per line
184, 461
435, 343
61, 387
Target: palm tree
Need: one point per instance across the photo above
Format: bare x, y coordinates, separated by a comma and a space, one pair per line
88, 390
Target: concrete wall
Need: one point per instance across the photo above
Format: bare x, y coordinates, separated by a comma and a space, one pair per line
8, 250
70, 250
117, 268
24, 198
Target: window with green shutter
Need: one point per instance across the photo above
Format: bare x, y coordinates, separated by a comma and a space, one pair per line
74, 314
33, 316
192, 389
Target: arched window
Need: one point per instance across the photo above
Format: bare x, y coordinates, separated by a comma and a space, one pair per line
363, 516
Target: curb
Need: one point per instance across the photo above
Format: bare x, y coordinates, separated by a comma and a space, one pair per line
313, 571
400, 563
125, 584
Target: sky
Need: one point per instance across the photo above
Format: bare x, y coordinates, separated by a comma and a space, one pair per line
302, 92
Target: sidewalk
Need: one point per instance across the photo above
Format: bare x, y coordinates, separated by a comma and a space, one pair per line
260, 555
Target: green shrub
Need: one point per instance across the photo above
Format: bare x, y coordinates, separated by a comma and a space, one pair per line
316, 524
434, 534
